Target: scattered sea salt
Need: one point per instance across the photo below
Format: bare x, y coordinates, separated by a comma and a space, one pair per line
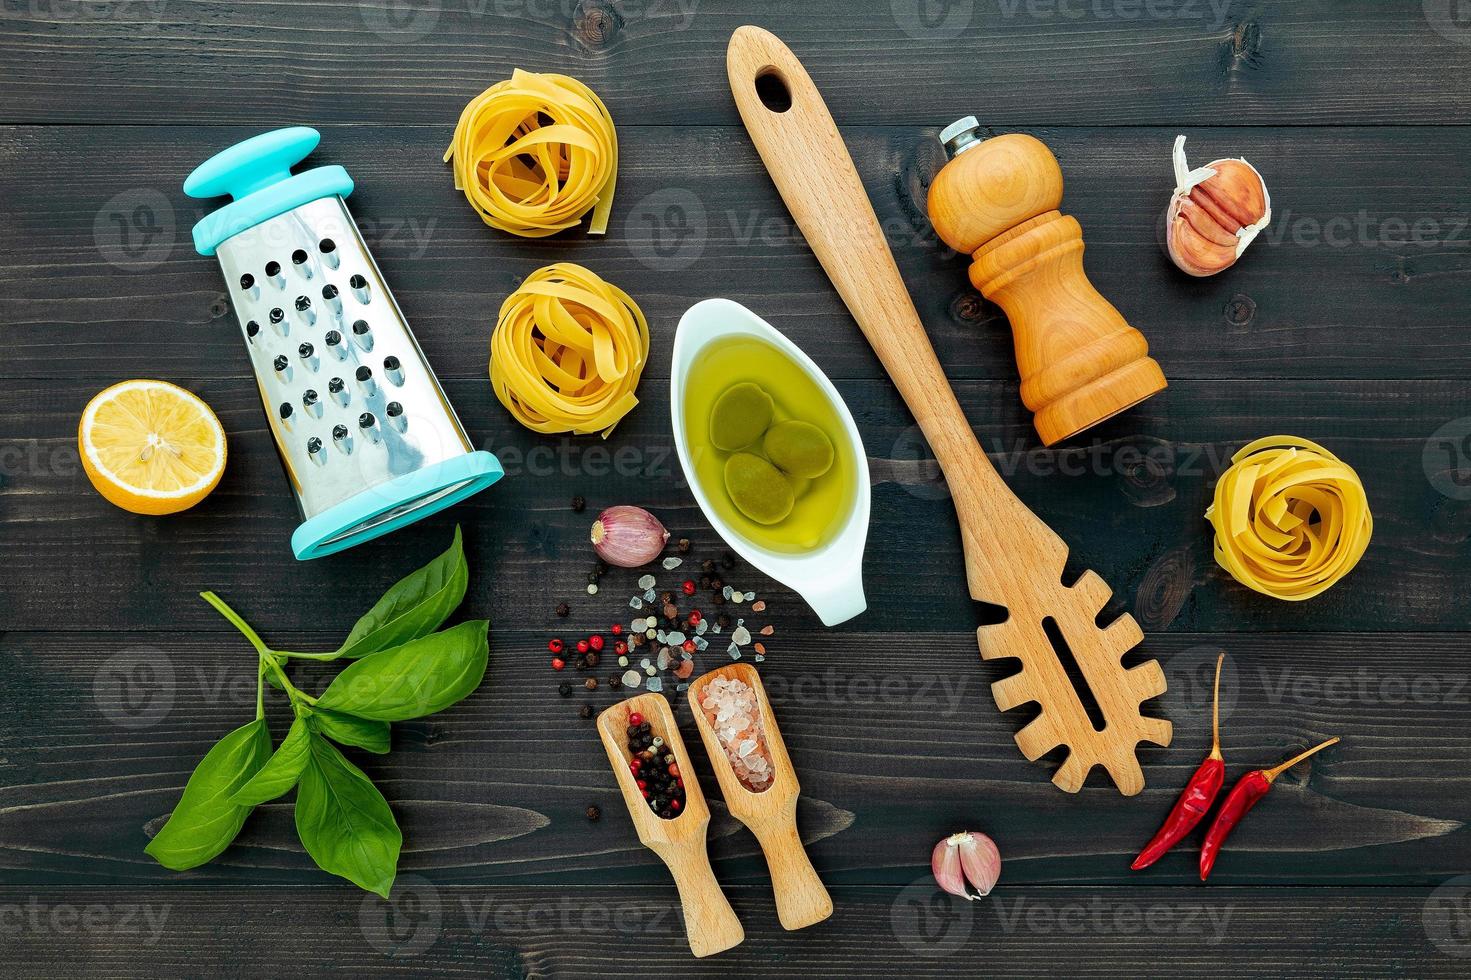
635, 603
592, 589
623, 661
663, 661
646, 582
740, 636
649, 596
760, 659
656, 684
651, 670
737, 597
768, 630
701, 643
672, 562
727, 592
702, 627
676, 638
758, 606
734, 651
632, 678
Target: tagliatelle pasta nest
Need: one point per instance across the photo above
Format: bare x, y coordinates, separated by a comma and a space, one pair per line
535, 153
1291, 518
568, 351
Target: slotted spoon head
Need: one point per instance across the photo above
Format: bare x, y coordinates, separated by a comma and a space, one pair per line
1043, 679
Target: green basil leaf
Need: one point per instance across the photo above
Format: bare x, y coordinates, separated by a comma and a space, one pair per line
416, 679
350, 730
280, 772
414, 607
344, 822
205, 821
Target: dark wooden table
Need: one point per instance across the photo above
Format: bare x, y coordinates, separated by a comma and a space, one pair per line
1346, 323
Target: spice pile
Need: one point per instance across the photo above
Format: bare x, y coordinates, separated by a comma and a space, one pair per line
731, 708
656, 649
654, 768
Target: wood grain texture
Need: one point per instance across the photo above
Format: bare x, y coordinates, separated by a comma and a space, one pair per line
1171, 62
1130, 501
894, 736
1361, 275
542, 932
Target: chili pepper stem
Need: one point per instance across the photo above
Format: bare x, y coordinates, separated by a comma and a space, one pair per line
1271, 774
1216, 713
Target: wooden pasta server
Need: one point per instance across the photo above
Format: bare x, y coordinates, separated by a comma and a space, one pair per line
710, 923
771, 811
1012, 558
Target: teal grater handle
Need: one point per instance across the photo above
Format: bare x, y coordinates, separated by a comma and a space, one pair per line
257, 174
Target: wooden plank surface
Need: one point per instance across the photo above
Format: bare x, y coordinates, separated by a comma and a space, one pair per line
1346, 323
1018, 62
1372, 220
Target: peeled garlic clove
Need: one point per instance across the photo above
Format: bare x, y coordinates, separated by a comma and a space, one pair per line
628, 536
966, 857
1215, 213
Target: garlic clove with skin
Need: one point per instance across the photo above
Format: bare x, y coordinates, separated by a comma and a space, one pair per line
628, 536
1215, 213
966, 857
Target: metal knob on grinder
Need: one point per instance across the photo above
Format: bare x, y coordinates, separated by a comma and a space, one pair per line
997, 200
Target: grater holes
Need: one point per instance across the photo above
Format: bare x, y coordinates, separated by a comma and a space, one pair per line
286, 411
329, 292
282, 366
341, 438
326, 246
252, 329
277, 315
337, 388
247, 282
359, 285
365, 380
314, 451
395, 410
368, 424
303, 303
396, 417
393, 370
299, 257
273, 268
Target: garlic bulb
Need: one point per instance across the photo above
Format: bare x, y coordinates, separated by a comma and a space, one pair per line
966, 857
628, 536
1215, 213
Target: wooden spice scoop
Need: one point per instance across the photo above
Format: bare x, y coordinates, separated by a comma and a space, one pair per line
710, 923
801, 899
1012, 558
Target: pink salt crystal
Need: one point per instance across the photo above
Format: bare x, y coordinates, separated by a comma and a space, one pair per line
732, 710
758, 606
760, 648
768, 630
684, 669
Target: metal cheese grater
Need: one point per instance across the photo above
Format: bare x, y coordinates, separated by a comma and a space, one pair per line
367, 437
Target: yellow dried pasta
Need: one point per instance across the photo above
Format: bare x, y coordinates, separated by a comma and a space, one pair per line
568, 351
535, 153
1291, 518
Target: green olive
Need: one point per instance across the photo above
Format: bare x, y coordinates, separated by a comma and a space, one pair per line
740, 415
799, 448
758, 489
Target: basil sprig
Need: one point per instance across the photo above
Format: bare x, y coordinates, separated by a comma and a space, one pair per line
401, 668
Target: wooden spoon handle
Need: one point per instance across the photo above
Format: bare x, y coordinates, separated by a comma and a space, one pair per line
801, 898
812, 169
709, 921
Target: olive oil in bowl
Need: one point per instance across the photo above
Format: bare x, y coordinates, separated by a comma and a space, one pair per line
751, 477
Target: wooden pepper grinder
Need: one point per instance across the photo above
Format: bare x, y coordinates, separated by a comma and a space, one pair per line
997, 201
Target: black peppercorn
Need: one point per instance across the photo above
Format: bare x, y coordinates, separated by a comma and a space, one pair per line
717, 583
727, 560
723, 620
718, 599
666, 599
564, 689
615, 683
585, 711
707, 566
593, 813
591, 683
592, 578
601, 568
592, 659
578, 505
564, 610
684, 546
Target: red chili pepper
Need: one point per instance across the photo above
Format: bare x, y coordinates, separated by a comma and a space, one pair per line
1243, 796
1196, 799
